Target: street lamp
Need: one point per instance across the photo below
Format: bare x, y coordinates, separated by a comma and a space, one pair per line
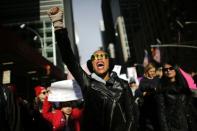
37, 35
174, 45
190, 22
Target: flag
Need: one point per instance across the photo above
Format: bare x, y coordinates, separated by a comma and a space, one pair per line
189, 79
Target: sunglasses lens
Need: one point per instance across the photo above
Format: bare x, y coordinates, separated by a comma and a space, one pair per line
171, 68
44, 92
99, 56
168, 69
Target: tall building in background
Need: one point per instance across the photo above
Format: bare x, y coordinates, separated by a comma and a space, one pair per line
109, 35
52, 51
135, 25
32, 21
28, 48
69, 23
13, 11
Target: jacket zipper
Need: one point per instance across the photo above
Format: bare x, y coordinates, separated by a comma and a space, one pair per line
112, 109
123, 115
101, 91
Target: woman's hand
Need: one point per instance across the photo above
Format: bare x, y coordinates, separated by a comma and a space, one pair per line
56, 16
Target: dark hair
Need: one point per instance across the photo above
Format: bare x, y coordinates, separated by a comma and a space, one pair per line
74, 103
132, 80
66, 104
180, 80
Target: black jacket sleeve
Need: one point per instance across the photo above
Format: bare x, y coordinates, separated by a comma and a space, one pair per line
69, 59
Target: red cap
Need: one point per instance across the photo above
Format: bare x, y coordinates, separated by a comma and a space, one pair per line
38, 90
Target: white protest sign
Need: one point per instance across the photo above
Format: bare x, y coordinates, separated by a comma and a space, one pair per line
132, 73
66, 90
6, 77
123, 76
117, 69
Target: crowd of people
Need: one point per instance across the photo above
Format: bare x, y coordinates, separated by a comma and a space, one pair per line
162, 101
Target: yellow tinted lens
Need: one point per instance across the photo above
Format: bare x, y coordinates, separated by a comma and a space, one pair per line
99, 56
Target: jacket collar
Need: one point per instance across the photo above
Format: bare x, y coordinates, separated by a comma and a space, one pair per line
96, 77
109, 82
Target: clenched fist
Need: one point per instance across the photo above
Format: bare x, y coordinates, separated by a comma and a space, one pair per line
56, 16
53, 11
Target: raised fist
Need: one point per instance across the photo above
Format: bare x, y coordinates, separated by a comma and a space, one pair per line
56, 16
53, 11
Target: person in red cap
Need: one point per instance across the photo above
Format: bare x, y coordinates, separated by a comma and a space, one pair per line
40, 93
65, 118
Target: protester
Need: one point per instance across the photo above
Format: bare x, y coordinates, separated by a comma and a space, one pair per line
40, 94
33, 120
108, 99
134, 87
4, 120
66, 118
148, 109
10, 112
175, 108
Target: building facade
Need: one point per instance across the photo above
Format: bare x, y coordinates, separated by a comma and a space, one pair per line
135, 25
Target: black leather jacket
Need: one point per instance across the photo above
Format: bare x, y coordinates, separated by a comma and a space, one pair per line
108, 106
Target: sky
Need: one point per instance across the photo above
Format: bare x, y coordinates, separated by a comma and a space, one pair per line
87, 15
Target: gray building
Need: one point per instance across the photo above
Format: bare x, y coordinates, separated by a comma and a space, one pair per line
134, 25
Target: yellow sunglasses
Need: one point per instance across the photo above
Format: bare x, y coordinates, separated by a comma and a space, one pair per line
99, 56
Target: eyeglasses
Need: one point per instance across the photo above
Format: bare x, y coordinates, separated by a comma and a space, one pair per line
168, 69
45, 92
99, 56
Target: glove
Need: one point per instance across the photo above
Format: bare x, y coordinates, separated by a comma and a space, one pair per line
56, 16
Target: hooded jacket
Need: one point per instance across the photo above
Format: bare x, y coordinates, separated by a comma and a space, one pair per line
108, 106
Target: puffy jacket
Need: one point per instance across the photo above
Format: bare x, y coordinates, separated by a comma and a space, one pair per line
108, 106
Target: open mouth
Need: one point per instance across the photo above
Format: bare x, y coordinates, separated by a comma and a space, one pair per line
100, 65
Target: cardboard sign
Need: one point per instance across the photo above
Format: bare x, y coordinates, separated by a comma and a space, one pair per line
66, 90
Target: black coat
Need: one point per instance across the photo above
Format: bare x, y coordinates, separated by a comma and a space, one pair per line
148, 108
175, 109
9, 111
108, 107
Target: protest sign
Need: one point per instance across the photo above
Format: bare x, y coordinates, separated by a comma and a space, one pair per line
66, 90
132, 73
